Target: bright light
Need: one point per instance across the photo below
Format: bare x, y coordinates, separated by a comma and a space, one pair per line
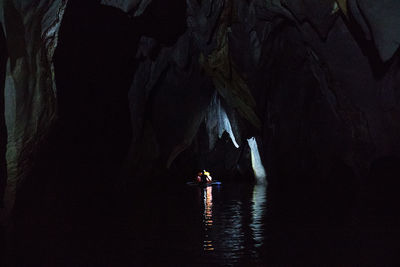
256, 163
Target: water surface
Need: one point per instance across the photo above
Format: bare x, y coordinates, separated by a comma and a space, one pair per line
220, 225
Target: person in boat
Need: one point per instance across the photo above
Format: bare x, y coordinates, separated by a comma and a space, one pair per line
199, 177
207, 176
203, 177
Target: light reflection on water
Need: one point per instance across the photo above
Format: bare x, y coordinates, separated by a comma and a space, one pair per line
233, 225
258, 211
193, 226
208, 244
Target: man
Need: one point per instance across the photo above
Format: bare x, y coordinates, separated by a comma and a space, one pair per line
207, 176
198, 178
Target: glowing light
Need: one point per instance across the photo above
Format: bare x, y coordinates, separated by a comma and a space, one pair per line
256, 163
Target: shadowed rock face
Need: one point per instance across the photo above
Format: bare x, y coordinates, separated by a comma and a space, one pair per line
382, 29
99, 66
3, 129
125, 6
174, 90
293, 74
142, 89
325, 95
316, 82
93, 129
81, 157
135, 7
31, 29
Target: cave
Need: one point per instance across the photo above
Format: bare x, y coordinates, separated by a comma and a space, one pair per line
199, 132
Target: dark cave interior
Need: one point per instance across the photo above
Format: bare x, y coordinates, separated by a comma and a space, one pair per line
106, 113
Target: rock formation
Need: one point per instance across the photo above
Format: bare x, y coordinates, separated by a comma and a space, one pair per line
315, 82
3, 129
31, 29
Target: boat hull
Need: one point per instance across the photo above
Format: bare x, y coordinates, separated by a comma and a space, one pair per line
203, 184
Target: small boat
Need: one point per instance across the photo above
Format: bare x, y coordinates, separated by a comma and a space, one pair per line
203, 179
203, 184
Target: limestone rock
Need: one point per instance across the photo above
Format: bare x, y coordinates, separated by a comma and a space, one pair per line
383, 20
31, 29
135, 6
3, 129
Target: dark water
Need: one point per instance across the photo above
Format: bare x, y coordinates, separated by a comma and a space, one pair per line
235, 224
220, 225
233, 229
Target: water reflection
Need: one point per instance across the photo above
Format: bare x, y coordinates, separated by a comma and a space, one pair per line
258, 210
233, 223
231, 236
208, 222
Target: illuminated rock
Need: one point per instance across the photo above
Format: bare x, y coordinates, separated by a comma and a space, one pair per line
217, 122
256, 163
31, 29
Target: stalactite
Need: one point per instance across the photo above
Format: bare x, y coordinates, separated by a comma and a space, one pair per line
217, 122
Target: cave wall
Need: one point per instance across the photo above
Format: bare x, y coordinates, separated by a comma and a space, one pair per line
3, 129
326, 88
314, 81
71, 132
218, 34
332, 110
31, 34
323, 76
296, 84
96, 60
135, 92
174, 88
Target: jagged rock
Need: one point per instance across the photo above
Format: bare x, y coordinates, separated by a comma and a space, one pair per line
321, 14
172, 87
204, 46
294, 74
31, 29
355, 12
3, 129
137, 7
125, 6
202, 21
382, 18
342, 4
217, 122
